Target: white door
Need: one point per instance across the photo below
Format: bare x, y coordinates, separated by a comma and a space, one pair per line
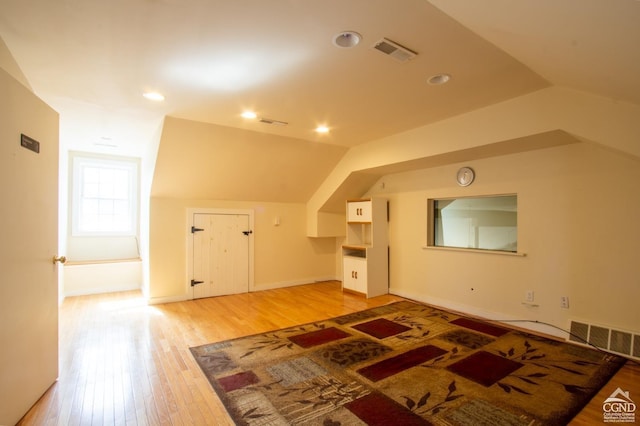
28, 243
220, 254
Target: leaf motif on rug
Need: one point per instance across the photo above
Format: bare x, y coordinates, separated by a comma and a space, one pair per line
353, 351
467, 339
421, 406
533, 355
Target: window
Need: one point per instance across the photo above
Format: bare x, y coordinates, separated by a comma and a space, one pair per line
105, 194
481, 223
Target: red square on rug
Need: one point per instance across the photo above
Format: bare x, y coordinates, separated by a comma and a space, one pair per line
480, 326
238, 381
381, 328
484, 367
377, 409
318, 337
399, 363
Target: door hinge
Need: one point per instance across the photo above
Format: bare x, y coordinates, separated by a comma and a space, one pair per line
247, 232
194, 283
194, 229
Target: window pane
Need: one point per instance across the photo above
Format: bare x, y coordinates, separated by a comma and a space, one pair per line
121, 185
121, 207
104, 200
486, 223
91, 174
89, 207
91, 190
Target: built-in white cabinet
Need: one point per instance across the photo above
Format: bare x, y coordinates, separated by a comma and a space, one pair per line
365, 254
358, 211
355, 273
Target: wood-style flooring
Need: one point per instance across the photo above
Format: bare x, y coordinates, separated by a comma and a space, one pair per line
125, 363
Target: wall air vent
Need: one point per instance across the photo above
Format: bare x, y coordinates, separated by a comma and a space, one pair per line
272, 122
623, 342
393, 49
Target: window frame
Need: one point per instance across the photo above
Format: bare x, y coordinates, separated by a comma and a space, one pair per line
81, 161
431, 226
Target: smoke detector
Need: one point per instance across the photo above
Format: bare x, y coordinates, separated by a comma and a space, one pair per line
393, 49
347, 39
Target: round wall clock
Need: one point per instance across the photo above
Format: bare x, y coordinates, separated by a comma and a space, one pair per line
465, 176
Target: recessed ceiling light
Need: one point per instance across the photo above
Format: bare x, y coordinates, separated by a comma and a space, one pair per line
249, 114
322, 129
347, 39
154, 96
438, 79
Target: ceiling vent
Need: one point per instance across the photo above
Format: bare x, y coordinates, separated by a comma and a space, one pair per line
273, 122
393, 49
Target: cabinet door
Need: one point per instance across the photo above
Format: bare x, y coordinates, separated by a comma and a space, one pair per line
355, 274
359, 211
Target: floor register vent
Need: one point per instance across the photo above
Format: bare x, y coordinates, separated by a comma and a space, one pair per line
618, 341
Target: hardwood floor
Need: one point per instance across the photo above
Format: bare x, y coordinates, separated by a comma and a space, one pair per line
125, 363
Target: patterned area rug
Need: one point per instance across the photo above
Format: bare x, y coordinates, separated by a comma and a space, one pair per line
403, 364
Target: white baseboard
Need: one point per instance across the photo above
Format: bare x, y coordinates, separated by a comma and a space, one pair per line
100, 290
260, 287
472, 311
167, 299
293, 283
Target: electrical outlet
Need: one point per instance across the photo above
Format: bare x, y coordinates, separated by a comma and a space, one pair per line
528, 296
564, 302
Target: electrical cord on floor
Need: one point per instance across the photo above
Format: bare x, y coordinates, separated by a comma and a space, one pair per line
568, 332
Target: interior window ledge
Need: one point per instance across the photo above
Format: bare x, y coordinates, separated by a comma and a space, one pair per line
472, 250
98, 262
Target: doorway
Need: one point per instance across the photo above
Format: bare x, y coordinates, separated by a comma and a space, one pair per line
221, 252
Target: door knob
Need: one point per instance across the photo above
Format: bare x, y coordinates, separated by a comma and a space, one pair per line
61, 259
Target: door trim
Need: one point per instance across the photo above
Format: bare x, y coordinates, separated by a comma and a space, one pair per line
190, 222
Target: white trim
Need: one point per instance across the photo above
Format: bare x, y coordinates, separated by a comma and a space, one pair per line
101, 290
189, 241
167, 299
80, 160
293, 283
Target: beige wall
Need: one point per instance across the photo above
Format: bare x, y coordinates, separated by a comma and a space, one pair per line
283, 254
578, 207
581, 115
577, 215
577, 223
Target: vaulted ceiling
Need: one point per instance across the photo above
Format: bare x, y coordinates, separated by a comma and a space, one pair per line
212, 59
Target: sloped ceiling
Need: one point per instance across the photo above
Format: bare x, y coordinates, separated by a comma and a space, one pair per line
588, 45
204, 161
212, 59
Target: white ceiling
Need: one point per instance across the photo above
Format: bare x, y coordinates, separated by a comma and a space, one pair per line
92, 60
212, 59
589, 45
